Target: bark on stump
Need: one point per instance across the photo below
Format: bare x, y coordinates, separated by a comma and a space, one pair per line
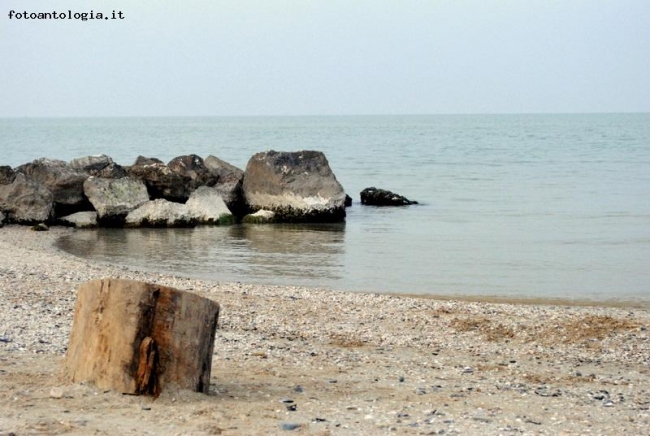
138, 337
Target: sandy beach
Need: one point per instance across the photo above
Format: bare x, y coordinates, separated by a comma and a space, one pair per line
293, 360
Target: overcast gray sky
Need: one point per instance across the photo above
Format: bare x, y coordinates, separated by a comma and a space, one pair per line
303, 57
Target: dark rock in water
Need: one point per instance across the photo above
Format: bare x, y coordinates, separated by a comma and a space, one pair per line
348, 200
99, 166
193, 171
63, 181
25, 201
229, 183
160, 180
296, 186
113, 199
7, 175
381, 197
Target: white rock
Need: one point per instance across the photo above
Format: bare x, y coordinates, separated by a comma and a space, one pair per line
206, 206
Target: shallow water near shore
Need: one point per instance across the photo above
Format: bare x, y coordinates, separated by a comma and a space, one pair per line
514, 206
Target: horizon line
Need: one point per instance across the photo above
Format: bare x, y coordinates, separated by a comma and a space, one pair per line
324, 115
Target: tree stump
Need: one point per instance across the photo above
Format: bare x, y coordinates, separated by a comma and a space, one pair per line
138, 337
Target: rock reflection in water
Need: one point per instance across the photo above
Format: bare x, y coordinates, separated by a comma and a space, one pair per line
305, 254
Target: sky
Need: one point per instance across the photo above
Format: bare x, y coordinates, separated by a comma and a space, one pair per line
326, 57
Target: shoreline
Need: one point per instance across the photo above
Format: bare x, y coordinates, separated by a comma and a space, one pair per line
531, 301
476, 298
352, 363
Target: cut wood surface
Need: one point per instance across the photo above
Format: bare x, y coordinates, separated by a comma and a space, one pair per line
138, 337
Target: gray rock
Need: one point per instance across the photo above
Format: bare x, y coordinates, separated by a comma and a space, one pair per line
64, 182
290, 426
99, 166
381, 197
80, 220
160, 213
206, 206
25, 201
297, 186
229, 183
160, 180
113, 199
2, 219
7, 175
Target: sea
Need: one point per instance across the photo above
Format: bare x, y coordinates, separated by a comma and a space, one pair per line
517, 207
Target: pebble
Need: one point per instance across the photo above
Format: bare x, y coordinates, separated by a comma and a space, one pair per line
289, 426
56, 393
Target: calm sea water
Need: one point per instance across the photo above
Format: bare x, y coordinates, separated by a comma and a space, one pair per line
514, 206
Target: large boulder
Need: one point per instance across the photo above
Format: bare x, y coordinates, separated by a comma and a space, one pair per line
99, 166
193, 171
25, 201
381, 197
160, 213
229, 183
7, 175
296, 186
64, 182
206, 206
160, 180
113, 199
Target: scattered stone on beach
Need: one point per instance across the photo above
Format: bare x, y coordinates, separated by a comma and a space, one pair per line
289, 426
381, 197
298, 186
56, 393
